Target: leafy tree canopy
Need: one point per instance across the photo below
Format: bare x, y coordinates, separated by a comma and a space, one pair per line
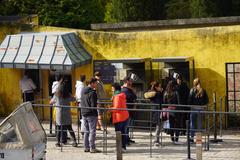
81, 13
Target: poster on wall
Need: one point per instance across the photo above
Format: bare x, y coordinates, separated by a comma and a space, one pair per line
107, 70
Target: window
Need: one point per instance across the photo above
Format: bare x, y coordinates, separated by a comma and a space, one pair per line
233, 86
34, 75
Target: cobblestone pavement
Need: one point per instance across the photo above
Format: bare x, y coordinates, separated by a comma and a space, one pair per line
229, 149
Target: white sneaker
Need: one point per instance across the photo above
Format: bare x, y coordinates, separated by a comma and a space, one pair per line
124, 150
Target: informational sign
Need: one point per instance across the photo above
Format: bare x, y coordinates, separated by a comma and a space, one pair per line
107, 70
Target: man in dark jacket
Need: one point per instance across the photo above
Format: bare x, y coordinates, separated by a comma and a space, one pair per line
130, 98
89, 99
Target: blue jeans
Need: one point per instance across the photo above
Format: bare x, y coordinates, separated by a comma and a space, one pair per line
89, 128
195, 118
129, 123
121, 126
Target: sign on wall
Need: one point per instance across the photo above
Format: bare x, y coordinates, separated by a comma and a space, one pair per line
107, 70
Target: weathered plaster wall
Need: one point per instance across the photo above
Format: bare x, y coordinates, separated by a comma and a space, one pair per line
211, 48
10, 94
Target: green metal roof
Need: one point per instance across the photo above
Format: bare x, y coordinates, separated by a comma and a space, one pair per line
60, 51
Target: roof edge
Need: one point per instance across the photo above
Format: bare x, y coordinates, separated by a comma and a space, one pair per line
194, 22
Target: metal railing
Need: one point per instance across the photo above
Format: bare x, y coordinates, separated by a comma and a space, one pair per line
207, 129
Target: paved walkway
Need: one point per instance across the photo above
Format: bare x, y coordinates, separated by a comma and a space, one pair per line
229, 149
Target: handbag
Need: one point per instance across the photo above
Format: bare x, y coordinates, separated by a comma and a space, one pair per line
164, 116
150, 94
166, 124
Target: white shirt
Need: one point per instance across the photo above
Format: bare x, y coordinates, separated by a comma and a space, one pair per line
79, 87
27, 85
55, 86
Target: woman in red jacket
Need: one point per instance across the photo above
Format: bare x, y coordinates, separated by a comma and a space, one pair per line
120, 114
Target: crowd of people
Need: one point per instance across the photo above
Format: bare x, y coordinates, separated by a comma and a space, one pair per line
177, 96
174, 92
87, 95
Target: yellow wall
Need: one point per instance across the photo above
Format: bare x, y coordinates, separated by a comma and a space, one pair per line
211, 48
10, 94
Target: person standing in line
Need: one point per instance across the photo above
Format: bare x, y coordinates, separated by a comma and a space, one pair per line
79, 88
197, 96
62, 97
171, 97
157, 99
101, 94
56, 83
183, 91
27, 87
89, 116
130, 98
120, 117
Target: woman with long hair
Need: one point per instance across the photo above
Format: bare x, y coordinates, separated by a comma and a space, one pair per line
171, 97
197, 96
157, 99
62, 98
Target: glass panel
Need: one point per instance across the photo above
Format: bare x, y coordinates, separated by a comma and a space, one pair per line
230, 82
230, 67
238, 106
237, 67
231, 106
230, 95
237, 81
237, 95
7, 133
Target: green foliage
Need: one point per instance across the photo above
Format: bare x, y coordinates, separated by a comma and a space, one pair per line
134, 10
71, 13
81, 13
63, 13
177, 9
198, 8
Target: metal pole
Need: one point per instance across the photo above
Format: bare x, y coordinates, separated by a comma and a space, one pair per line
105, 126
104, 123
205, 130
119, 145
50, 123
188, 140
61, 142
215, 140
161, 130
214, 117
159, 121
220, 117
150, 134
208, 128
103, 137
78, 123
